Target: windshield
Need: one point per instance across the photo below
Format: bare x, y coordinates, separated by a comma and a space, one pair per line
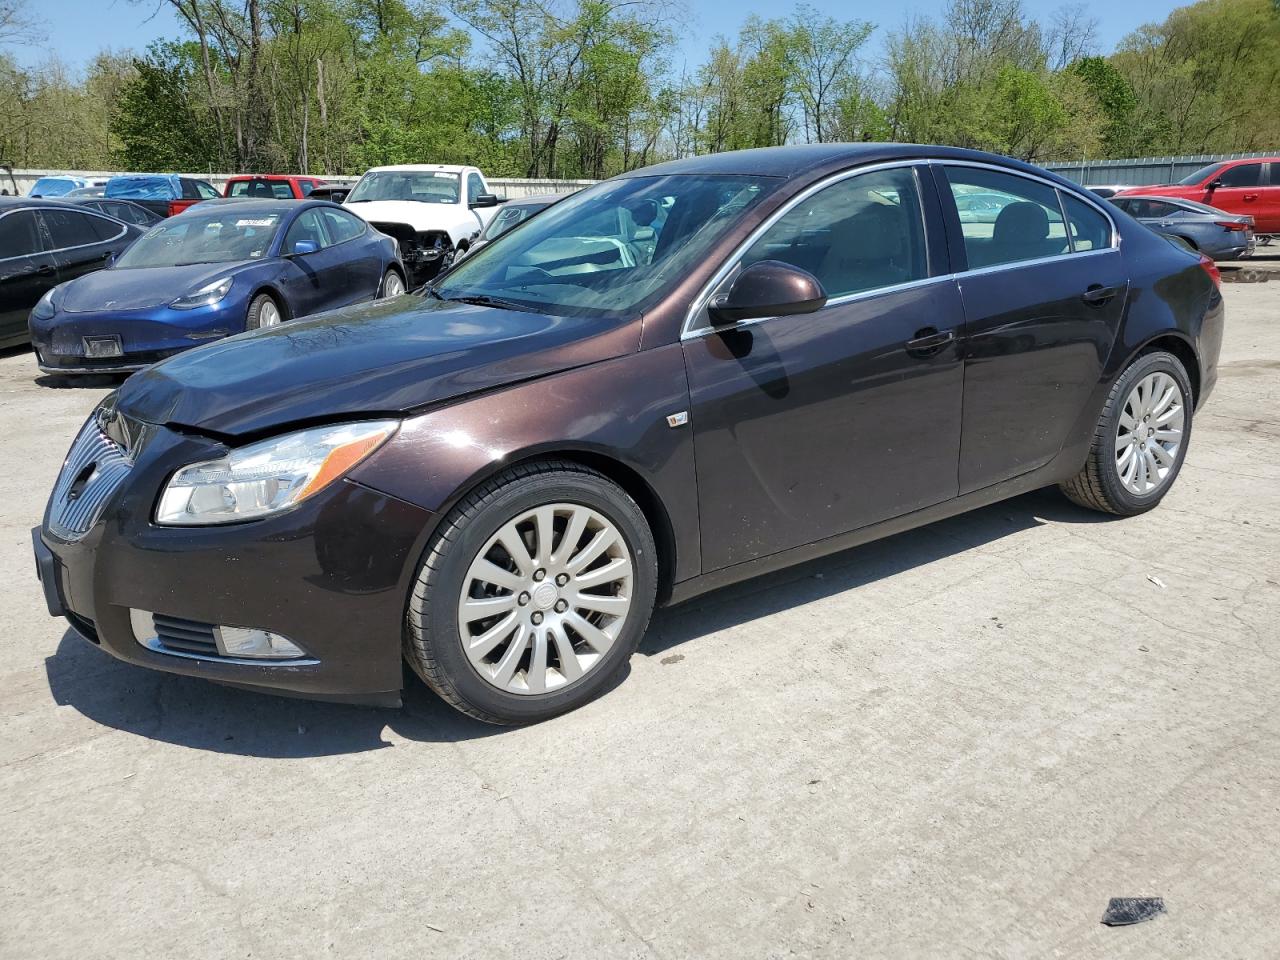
610, 248
203, 238
1202, 174
428, 187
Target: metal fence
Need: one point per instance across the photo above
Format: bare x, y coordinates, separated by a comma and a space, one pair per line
1140, 171
503, 186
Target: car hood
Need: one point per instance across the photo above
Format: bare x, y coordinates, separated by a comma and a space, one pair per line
388, 357
137, 288
419, 215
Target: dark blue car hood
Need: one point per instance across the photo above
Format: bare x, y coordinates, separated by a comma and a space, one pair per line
139, 288
387, 357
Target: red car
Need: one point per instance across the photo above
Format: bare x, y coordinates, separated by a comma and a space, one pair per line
271, 186
1250, 187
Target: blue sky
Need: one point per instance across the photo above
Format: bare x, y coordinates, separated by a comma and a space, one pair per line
77, 29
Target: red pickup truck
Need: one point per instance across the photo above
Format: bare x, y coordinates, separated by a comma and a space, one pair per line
268, 186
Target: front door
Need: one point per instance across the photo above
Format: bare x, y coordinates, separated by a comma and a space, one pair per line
1242, 191
317, 280
810, 426
1043, 297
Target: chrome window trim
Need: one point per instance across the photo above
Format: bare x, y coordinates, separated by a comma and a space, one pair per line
23, 256
689, 330
124, 228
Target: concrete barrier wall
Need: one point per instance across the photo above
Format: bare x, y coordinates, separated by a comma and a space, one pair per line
503, 186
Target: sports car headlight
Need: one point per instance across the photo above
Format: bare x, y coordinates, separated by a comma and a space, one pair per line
45, 307
269, 476
206, 296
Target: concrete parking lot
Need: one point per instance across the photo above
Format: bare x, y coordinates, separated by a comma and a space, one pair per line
959, 742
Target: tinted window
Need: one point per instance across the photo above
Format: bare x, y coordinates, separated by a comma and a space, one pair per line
306, 227
1242, 175
1275, 174
475, 186
343, 226
18, 234
1200, 175
1006, 218
68, 228
127, 212
1161, 208
103, 228
1090, 230
857, 234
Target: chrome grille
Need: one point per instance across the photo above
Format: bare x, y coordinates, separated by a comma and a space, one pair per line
94, 470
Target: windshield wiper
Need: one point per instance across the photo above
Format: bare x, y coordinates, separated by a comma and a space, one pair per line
484, 300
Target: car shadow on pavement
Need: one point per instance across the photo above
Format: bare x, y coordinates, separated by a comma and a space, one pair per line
196, 713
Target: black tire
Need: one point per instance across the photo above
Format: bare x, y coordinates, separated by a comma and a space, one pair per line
1098, 485
433, 642
391, 272
253, 319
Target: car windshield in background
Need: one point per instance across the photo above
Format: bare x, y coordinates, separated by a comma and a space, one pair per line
141, 188
191, 238
609, 248
1199, 175
427, 187
508, 217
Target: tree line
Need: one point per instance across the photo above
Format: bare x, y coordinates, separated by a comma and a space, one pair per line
589, 88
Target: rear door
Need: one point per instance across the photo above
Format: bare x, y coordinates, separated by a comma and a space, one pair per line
353, 242
1242, 192
1043, 296
81, 242
27, 271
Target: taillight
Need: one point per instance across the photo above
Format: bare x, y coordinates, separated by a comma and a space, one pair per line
174, 208
1232, 226
1211, 268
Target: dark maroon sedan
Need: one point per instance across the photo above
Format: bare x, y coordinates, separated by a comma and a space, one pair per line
682, 377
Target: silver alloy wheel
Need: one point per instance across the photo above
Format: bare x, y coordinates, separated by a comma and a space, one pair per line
392, 286
545, 598
1149, 434
268, 314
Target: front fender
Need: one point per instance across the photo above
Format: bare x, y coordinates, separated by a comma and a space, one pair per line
611, 412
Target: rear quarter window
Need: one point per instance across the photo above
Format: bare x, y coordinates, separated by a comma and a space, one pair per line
1090, 230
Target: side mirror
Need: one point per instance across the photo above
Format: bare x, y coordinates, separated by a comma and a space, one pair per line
768, 288
484, 200
303, 247
1214, 184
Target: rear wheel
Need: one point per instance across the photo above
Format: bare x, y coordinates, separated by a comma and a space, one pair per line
533, 595
392, 284
263, 312
1141, 439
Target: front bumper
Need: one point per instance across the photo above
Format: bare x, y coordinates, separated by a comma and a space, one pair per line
145, 337
333, 575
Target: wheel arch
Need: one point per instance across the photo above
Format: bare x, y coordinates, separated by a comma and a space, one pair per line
269, 288
1176, 343
627, 477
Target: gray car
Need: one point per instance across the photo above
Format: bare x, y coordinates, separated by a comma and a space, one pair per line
1215, 233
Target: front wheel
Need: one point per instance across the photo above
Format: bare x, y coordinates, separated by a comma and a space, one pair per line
1141, 439
533, 594
263, 312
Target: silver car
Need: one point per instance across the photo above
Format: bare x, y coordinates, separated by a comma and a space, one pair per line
1215, 233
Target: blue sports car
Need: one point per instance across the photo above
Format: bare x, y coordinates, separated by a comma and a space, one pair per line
217, 269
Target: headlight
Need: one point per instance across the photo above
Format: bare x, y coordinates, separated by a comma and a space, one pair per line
206, 296
45, 307
269, 476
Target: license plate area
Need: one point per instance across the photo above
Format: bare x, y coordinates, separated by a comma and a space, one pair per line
96, 348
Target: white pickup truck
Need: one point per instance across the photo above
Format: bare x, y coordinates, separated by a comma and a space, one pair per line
433, 210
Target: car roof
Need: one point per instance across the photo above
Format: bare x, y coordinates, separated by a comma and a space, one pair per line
545, 199
420, 167
254, 205
271, 176
809, 158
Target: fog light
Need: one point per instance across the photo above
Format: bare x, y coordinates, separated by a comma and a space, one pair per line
259, 644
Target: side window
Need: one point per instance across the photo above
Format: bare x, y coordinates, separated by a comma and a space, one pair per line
281, 190
1158, 208
1275, 173
103, 228
239, 189
68, 228
1090, 230
1005, 218
1242, 175
306, 186
205, 192
343, 226
858, 234
475, 186
129, 214
19, 236
306, 227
